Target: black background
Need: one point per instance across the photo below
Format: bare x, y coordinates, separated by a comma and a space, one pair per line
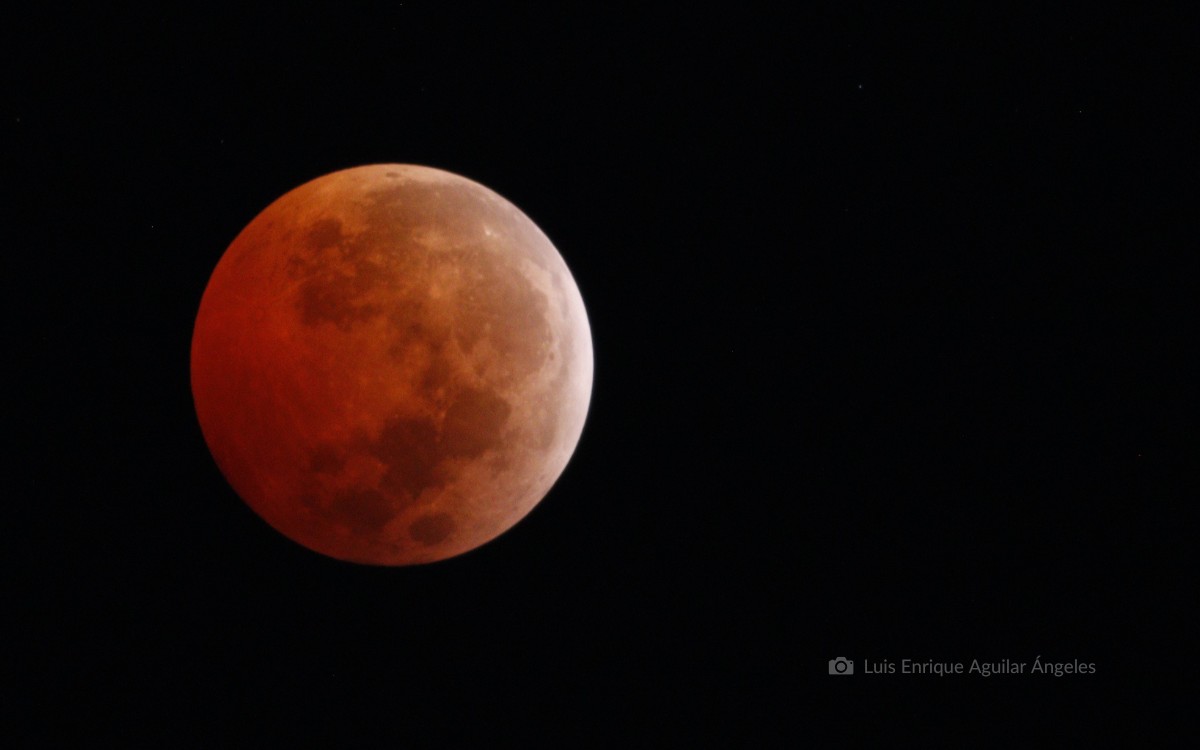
891, 340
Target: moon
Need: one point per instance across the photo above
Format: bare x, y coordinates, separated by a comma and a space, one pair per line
391, 365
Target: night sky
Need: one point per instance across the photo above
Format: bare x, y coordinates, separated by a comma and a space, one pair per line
892, 330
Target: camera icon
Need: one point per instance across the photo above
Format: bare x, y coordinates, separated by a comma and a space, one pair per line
841, 665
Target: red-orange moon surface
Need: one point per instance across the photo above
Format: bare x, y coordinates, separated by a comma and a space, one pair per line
391, 364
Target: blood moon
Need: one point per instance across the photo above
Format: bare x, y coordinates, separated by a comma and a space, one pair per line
391, 364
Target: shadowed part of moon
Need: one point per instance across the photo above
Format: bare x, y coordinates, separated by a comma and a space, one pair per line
432, 529
473, 423
391, 364
408, 449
